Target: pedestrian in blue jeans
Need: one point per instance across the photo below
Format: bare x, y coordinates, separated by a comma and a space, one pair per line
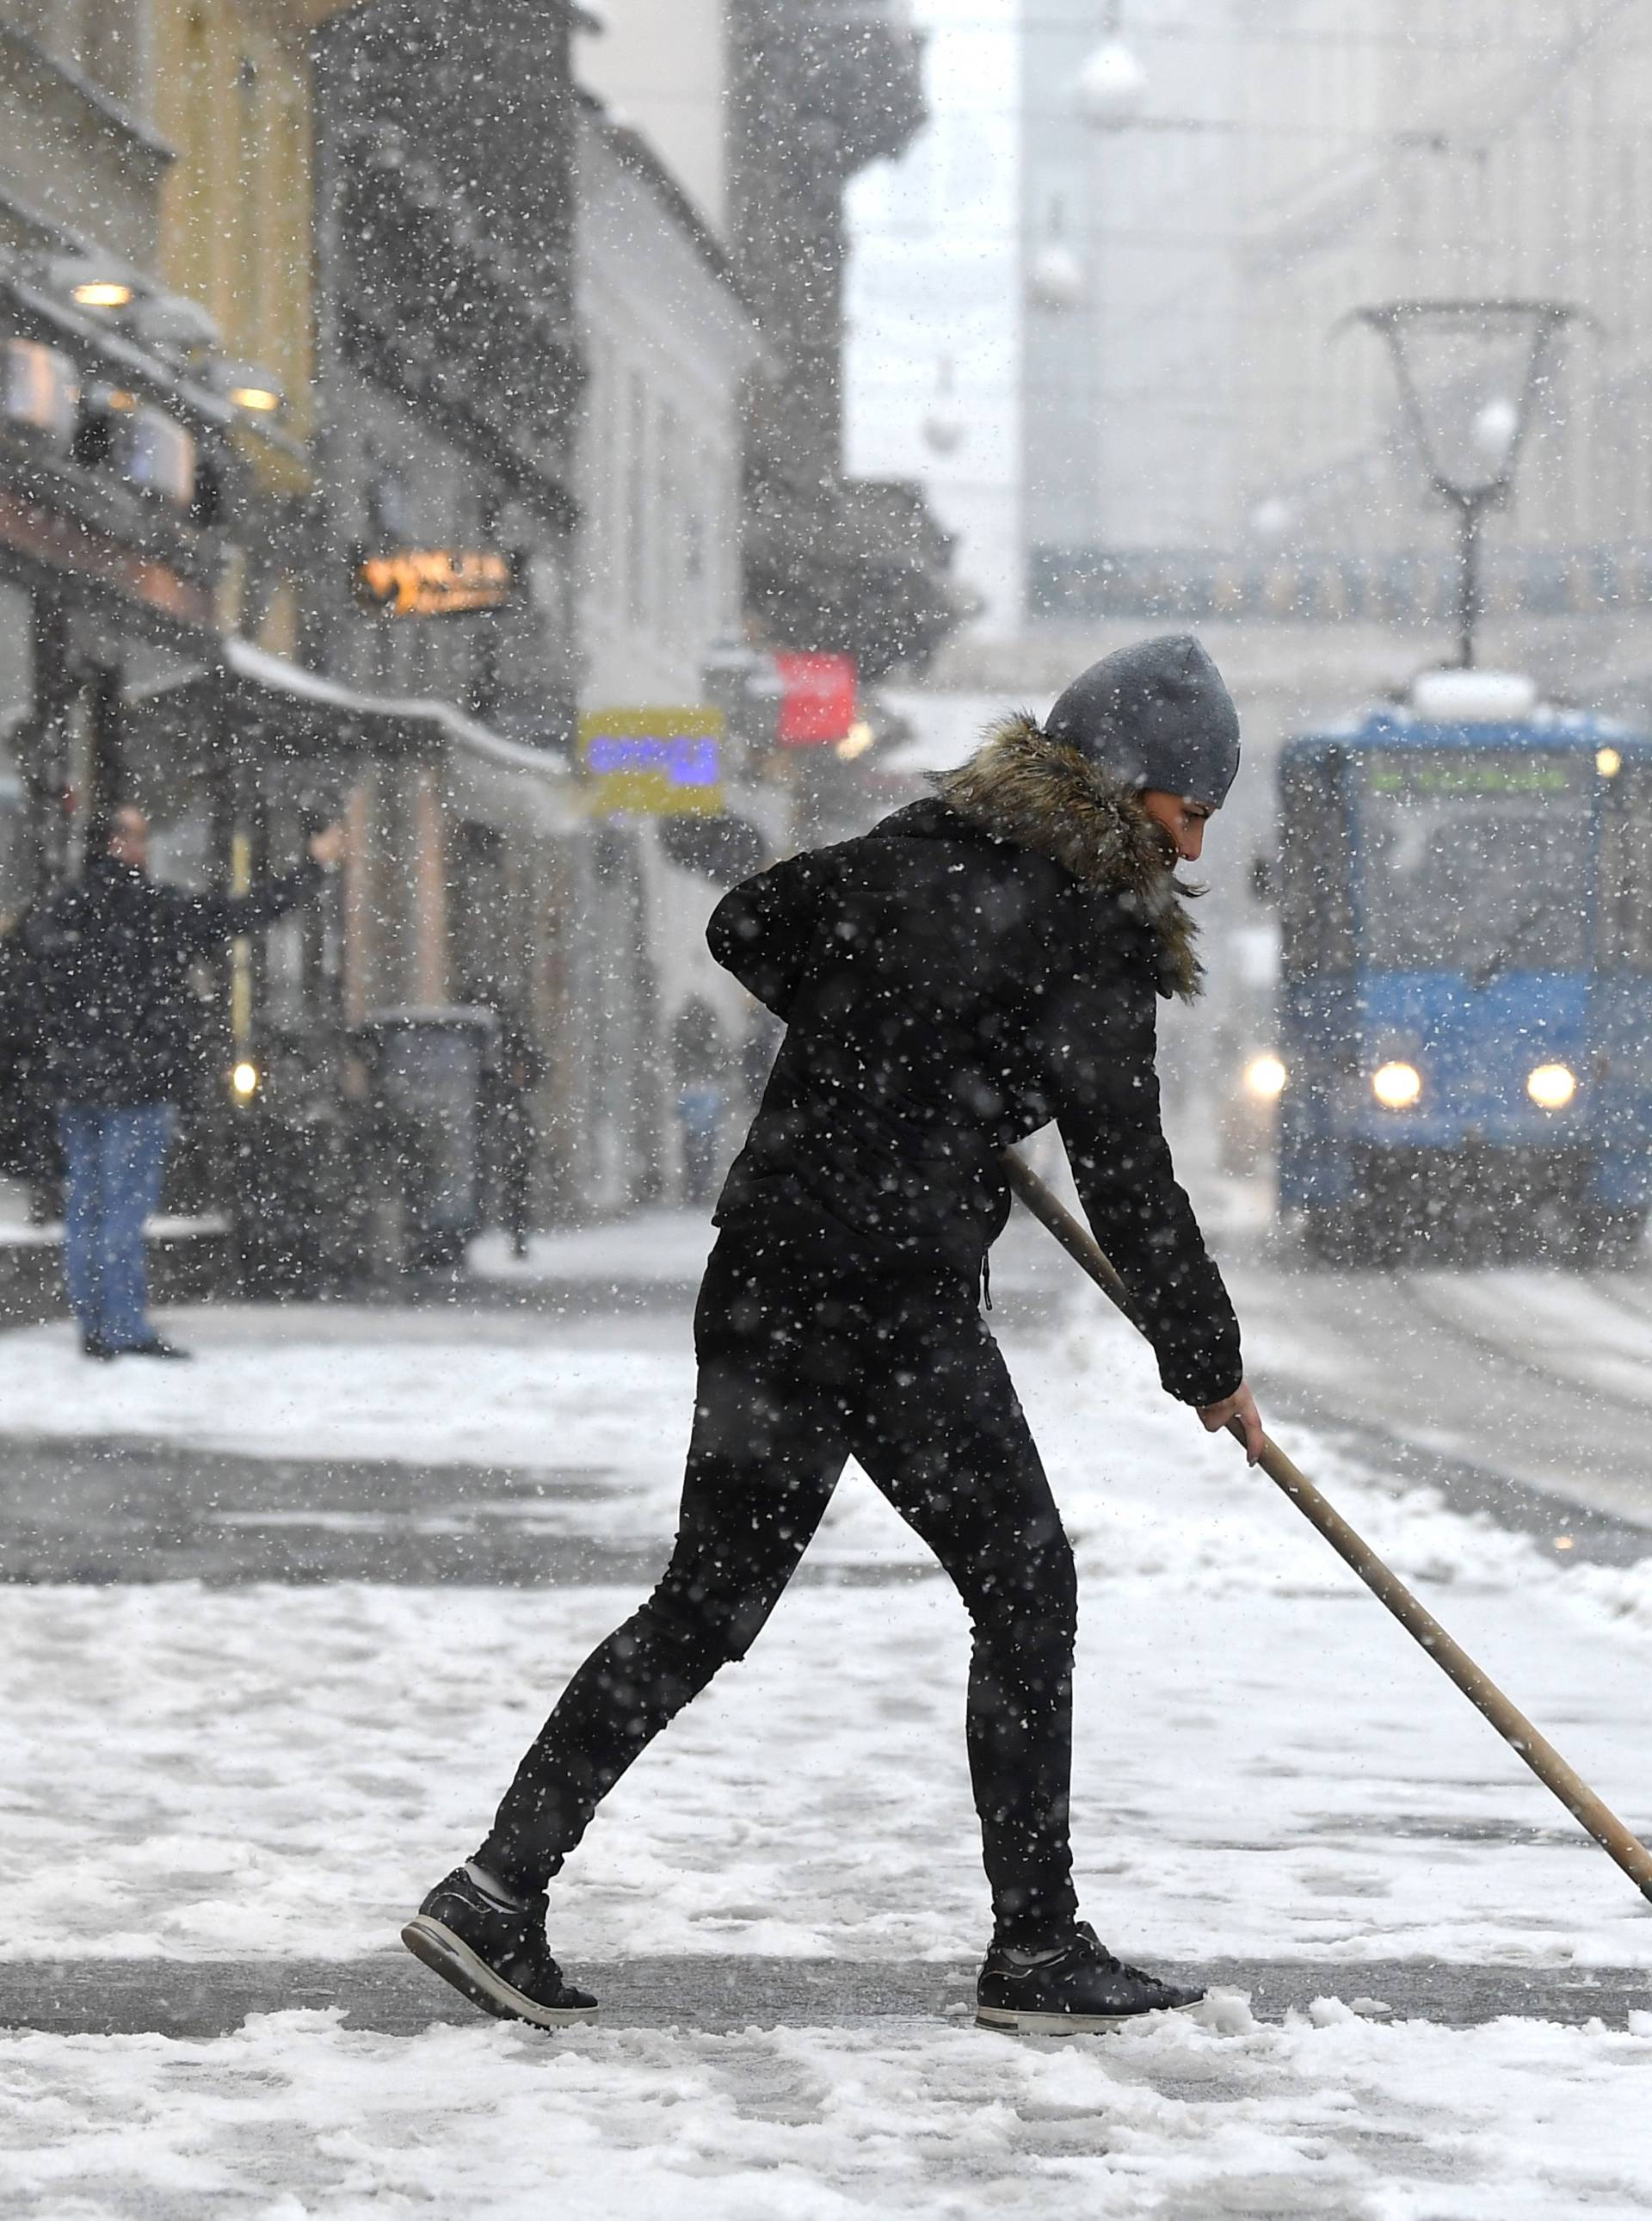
114, 1158
110, 960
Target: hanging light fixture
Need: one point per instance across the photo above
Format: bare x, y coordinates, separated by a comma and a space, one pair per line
94, 281
1112, 86
252, 387
945, 427
1055, 275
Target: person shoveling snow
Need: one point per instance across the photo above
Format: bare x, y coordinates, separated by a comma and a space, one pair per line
978, 965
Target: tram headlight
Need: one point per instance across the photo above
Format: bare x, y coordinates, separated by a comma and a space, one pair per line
1551, 1087
1265, 1077
245, 1080
1397, 1087
1608, 762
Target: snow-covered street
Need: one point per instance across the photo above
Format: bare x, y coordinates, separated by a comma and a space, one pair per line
1329, 2115
258, 1775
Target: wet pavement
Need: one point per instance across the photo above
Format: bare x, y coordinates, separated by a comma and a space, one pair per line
394, 1995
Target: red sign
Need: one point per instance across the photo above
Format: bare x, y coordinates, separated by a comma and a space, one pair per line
816, 698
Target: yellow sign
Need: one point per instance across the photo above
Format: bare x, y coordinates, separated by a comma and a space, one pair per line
435, 582
661, 763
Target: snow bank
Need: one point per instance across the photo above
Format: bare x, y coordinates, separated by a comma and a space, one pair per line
295, 2119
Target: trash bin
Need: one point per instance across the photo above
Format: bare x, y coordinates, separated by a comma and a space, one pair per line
426, 1069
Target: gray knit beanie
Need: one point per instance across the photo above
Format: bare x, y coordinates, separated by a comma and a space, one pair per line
1159, 714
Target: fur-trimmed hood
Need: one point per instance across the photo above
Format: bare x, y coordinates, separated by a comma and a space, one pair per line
1021, 787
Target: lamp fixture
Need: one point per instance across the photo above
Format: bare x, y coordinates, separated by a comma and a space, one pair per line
1112, 85
101, 282
945, 427
103, 293
1265, 1077
1397, 1086
252, 387
1055, 279
1551, 1087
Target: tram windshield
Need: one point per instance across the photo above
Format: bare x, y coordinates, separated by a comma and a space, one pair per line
1476, 860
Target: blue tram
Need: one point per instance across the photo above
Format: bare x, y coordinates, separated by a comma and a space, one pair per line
1466, 975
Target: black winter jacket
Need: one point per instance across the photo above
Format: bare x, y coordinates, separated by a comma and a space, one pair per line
110, 962
973, 967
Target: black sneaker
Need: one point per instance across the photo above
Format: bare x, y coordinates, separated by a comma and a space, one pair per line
93, 1345
154, 1348
1078, 1990
496, 1958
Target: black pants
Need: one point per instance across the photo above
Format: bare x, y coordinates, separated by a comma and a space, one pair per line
802, 1362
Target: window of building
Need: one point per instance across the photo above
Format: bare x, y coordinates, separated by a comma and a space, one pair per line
668, 551
638, 533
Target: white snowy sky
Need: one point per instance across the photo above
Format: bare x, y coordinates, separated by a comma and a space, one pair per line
933, 277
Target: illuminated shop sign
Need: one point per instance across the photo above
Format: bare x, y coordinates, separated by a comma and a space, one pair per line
660, 762
437, 582
816, 698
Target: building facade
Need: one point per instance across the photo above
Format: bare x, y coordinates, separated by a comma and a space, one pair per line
1240, 450
669, 344
659, 68
118, 468
815, 93
1131, 187
370, 408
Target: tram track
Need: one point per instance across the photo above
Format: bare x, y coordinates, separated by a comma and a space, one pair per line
1542, 1379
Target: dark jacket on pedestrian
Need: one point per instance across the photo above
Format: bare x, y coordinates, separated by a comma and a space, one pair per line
976, 965
110, 964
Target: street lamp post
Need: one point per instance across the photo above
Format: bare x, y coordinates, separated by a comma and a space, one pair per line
1469, 415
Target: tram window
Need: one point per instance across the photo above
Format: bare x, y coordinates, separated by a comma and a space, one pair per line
1316, 916
1626, 870
1475, 860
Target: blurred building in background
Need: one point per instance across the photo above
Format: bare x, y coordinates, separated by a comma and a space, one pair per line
933, 359
121, 467
669, 343
384, 420
1486, 154
1212, 434
1131, 180
661, 69
858, 567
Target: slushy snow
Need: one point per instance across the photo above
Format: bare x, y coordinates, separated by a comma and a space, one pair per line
1265, 1767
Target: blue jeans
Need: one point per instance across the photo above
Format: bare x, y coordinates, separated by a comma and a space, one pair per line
115, 1159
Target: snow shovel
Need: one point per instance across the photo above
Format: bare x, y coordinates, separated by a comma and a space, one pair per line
1540, 1754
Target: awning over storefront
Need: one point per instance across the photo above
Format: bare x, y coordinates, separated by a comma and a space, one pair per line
248, 700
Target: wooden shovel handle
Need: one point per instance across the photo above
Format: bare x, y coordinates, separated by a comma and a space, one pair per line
1510, 1723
